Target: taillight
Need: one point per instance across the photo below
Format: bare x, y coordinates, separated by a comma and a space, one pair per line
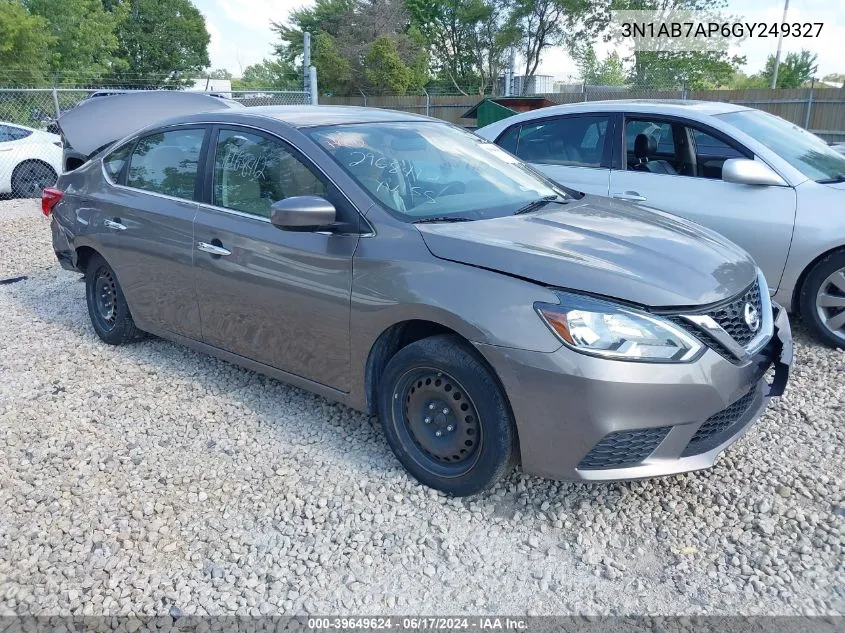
49, 199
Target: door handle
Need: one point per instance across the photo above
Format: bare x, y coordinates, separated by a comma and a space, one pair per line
629, 196
213, 249
113, 224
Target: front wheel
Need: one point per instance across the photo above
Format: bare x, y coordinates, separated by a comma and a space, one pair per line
445, 416
823, 299
107, 306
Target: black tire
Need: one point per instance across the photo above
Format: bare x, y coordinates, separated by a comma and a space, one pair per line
31, 178
107, 306
477, 442
817, 279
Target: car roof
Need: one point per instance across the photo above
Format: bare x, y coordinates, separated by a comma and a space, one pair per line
663, 106
310, 116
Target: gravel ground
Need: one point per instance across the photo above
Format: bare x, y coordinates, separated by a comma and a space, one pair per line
149, 477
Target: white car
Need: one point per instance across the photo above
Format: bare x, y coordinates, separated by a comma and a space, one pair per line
764, 183
30, 160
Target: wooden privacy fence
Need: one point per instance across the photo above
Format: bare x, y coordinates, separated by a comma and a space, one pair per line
821, 110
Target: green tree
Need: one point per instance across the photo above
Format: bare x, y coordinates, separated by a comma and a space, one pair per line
384, 70
162, 42
334, 72
85, 43
25, 43
269, 74
794, 71
467, 39
546, 23
608, 72
343, 32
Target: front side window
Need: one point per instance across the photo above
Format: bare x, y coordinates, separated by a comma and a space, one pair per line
425, 169
577, 141
251, 172
806, 152
167, 163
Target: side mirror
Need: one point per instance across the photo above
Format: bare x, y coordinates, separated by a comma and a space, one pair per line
745, 171
302, 213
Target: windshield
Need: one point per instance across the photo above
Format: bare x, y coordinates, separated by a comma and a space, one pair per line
425, 170
805, 151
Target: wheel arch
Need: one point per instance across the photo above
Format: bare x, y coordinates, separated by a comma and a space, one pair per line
400, 335
802, 278
83, 256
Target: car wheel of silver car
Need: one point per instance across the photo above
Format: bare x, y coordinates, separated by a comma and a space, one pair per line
107, 306
30, 179
823, 299
445, 416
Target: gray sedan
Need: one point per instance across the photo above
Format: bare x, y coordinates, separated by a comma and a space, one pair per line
766, 184
409, 269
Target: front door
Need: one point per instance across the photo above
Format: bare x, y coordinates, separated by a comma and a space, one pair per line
677, 167
279, 297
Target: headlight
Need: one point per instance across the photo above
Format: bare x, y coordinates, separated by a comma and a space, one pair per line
605, 329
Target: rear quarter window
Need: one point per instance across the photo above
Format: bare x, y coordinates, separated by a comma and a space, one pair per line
114, 162
11, 133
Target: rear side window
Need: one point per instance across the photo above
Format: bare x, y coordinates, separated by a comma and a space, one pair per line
114, 162
11, 133
167, 163
577, 141
251, 172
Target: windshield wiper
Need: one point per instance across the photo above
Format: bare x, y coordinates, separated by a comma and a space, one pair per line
832, 181
536, 204
442, 218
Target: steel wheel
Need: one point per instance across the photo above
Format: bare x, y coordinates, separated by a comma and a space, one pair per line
830, 303
433, 414
105, 297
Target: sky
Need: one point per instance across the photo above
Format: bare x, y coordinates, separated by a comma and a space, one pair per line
241, 36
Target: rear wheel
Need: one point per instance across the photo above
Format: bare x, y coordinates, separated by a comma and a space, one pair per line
30, 179
445, 416
823, 299
107, 306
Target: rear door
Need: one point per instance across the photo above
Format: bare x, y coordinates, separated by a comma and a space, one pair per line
574, 149
760, 219
279, 297
143, 225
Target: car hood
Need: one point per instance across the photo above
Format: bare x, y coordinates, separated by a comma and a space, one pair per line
100, 121
602, 247
837, 185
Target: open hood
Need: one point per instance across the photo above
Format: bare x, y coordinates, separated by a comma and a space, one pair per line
99, 121
603, 247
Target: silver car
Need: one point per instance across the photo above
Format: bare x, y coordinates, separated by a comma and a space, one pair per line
766, 184
407, 268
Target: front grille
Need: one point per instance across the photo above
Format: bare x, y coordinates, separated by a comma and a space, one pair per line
731, 315
716, 427
623, 448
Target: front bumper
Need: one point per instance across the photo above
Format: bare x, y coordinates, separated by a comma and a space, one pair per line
581, 417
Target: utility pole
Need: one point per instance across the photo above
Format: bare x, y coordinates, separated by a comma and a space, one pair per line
306, 63
780, 43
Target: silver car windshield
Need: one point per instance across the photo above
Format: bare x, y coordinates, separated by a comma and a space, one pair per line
805, 151
430, 170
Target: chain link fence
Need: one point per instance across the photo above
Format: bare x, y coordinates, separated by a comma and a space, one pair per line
30, 145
